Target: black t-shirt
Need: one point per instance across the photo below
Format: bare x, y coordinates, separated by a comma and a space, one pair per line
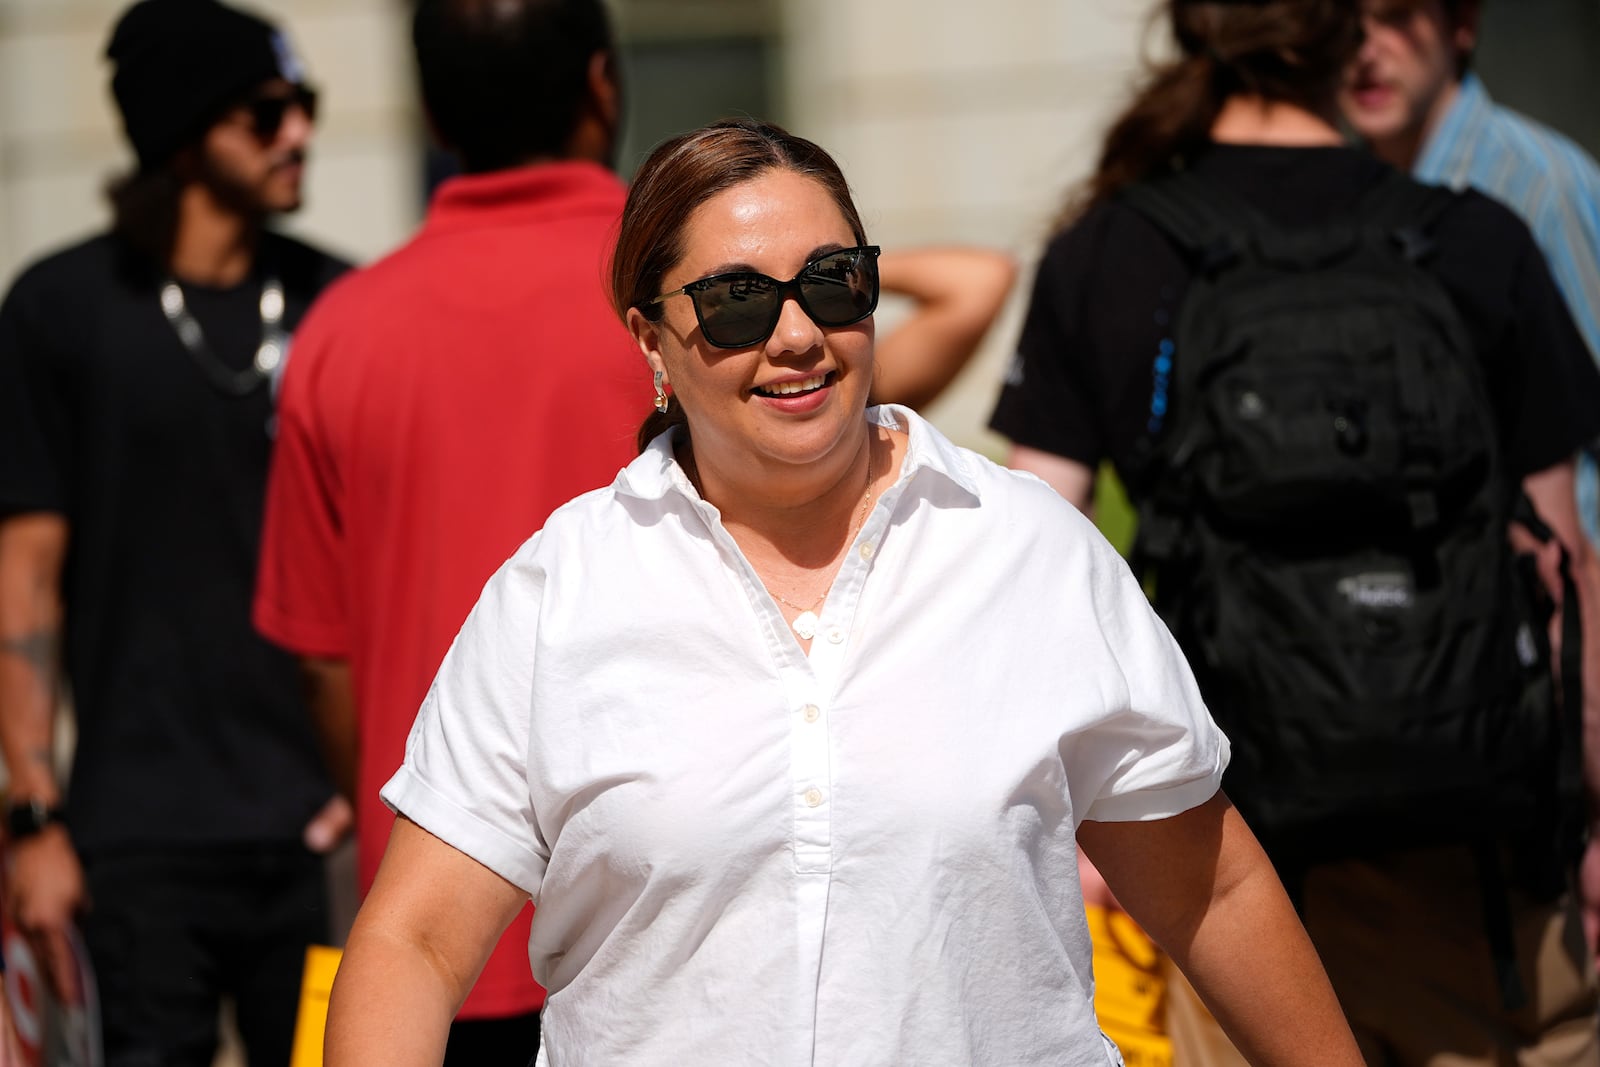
1108, 290
191, 728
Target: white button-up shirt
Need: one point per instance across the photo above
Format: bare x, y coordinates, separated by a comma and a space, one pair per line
742, 854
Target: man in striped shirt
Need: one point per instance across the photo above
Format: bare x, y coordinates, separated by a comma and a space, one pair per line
1411, 96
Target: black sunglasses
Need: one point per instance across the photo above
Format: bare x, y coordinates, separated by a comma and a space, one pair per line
268, 110
742, 308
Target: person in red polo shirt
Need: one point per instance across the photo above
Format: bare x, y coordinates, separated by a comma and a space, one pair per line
438, 406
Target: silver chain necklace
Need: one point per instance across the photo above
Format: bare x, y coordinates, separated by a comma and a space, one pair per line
269, 353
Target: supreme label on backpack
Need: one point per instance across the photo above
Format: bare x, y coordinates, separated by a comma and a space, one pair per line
1386, 591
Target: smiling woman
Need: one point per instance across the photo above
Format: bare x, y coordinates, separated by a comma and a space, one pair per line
718, 719
777, 422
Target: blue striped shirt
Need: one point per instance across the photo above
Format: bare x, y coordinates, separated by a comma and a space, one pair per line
1536, 172
1555, 186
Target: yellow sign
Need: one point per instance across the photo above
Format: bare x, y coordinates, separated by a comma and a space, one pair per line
1129, 989
322, 963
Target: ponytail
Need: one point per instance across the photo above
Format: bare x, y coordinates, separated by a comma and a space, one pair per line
1169, 119
1286, 51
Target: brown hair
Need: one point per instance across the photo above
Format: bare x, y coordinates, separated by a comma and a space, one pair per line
1455, 13
144, 210
679, 175
1285, 51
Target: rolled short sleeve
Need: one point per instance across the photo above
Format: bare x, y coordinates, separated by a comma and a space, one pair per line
300, 599
35, 437
1156, 751
465, 775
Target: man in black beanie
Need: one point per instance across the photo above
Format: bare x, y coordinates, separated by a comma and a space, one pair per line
136, 418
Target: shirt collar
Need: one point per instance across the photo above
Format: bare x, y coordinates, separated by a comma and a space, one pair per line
1447, 157
656, 471
533, 192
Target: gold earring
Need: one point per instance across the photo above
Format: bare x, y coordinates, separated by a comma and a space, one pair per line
661, 394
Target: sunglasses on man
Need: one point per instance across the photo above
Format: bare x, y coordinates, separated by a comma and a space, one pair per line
268, 110
741, 308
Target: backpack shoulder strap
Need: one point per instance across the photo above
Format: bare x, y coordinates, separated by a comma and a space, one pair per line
1205, 222
1406, 211
1212, 231
1569, 776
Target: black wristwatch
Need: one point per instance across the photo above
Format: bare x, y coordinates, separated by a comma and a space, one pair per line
27, 817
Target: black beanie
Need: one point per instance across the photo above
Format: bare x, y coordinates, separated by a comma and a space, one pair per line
181, 63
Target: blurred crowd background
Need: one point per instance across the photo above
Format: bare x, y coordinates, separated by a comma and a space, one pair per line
957, 121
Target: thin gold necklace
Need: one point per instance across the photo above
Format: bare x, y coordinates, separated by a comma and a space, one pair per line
805, 623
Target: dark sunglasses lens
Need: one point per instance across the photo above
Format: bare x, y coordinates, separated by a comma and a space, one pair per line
267, 112
842, 288
737, 311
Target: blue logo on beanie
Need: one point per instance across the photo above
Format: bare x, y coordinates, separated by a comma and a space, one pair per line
289, 66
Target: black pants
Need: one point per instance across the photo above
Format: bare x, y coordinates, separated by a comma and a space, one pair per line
171, 931
508, 1042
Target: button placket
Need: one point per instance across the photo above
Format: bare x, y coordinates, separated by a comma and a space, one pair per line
838, 611
810, 773
808, 745
808, 677
810, 737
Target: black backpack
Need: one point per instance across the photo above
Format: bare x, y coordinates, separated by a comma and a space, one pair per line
1323, 518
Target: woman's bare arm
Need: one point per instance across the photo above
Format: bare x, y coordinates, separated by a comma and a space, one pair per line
1202, 888
419, 941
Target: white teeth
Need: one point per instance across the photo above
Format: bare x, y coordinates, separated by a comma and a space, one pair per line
790, 388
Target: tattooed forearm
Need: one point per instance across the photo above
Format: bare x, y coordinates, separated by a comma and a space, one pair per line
38, 649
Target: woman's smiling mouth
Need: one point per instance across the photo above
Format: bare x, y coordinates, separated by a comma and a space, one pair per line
792, 388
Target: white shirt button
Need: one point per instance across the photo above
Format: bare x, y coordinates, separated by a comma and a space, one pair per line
810, 712
813, 797
868, 550
836, 636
